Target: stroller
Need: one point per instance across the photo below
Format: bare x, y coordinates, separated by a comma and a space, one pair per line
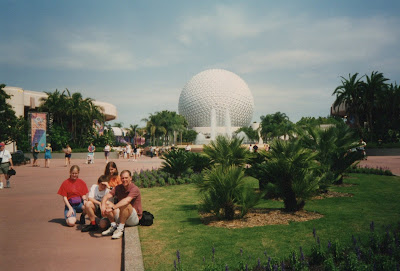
90, 158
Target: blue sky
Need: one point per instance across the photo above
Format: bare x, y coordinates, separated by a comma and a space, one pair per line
138, 55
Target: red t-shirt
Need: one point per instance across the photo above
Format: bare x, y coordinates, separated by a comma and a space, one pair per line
70, 189
133, 191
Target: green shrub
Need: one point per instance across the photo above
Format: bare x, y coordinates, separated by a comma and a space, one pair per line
171, 181
224, 190
370, 170
293, 170
161, 181
199, 162
176, 162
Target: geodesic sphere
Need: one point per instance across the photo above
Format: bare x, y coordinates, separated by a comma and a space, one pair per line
219, 89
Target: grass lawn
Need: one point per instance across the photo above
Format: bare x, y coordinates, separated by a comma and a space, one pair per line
177, 225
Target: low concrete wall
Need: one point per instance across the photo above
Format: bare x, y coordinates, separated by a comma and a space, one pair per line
76, 155
383, 152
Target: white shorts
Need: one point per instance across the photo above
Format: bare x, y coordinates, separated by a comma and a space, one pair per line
132, 220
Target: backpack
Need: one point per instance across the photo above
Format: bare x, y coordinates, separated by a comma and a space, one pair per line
147, 219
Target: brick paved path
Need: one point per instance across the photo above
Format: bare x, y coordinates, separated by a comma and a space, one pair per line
33, 234
386, 162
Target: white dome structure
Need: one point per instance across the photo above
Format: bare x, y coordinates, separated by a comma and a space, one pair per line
219, 92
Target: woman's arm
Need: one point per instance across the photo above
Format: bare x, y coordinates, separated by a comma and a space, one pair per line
71, 210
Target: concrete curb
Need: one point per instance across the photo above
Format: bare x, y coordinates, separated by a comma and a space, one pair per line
133, 259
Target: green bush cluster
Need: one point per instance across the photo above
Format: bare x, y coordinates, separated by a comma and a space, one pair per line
158, 177
370, 170
380, 250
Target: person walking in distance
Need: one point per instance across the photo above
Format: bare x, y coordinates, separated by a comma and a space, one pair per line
128, 210
68, 154
5, 165
35, 153
107, 150
47, 155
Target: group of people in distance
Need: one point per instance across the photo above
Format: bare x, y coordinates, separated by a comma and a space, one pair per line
47, 155
128, 151
113, 202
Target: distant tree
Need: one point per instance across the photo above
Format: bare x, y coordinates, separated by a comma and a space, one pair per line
8, 120
350, 94
312, 121
118, 124
162, 125
74, 114
373, 88
189, 135
276, 125
250, 133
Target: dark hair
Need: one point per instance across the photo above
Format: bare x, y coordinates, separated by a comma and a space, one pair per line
102, 178
107, 169
125, 170
74, 167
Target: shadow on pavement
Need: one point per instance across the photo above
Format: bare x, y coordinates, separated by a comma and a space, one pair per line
60, 221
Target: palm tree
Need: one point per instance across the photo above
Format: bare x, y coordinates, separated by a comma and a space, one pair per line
227, 152
350, 94
373, 88
132, 132
276, 125
73, 113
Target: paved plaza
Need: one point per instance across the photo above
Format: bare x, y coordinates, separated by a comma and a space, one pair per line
33, 233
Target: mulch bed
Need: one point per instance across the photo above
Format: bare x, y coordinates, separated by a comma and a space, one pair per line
268, 216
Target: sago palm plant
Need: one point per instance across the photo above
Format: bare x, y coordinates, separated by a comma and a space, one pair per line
176, 162
227, 152
292, 170
333, 147
225, 189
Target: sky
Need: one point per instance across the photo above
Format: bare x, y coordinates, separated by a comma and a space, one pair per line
138, 55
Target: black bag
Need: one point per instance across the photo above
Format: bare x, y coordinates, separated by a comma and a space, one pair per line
11, 172
147, 219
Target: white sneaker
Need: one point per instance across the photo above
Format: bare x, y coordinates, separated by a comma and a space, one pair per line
1, 185
110, 230
118, 233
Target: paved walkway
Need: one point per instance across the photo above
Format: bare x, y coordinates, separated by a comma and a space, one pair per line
385, 162
33, 234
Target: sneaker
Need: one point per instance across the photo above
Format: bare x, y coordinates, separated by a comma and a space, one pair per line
118, 233
110, 231
82, 219
90, 228
8, 184
1, 185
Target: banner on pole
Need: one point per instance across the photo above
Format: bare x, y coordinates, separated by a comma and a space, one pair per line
38, 123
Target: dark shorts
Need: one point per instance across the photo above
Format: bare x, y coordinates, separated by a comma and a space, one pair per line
35, 155
106, 153
4, 168
67, 155
97, 211
77, 209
